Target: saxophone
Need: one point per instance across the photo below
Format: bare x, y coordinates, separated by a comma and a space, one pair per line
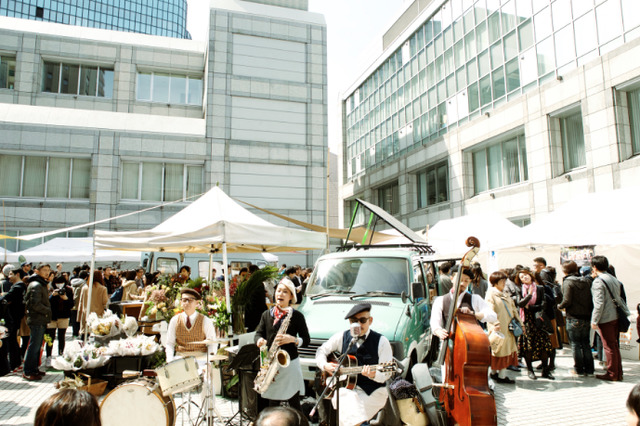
277, 358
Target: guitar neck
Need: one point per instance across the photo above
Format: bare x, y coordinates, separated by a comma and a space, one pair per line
357, 370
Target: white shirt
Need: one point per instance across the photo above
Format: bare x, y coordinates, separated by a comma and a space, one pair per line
477, 302
334, 344
207, 325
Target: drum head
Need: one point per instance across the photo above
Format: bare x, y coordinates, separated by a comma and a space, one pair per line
132, 403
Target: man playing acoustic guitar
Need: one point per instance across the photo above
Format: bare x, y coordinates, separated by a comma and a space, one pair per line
360, 404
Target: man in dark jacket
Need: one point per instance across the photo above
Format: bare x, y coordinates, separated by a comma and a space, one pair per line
577, 300
36, 301
15, 300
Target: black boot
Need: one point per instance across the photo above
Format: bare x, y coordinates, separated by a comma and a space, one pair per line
546, 373
531, 374
552, 360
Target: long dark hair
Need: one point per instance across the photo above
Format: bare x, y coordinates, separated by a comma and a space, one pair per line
633, 401
69, 407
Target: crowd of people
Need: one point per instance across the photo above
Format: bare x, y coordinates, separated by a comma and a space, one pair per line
523, 306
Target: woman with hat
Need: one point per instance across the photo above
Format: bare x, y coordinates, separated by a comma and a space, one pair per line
288, 384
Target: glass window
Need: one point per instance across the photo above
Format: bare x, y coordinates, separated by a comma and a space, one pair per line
609, 21
546, 60
633, 99
144, 87
88, 81
561, 13
586, 35
498, 83
7, 72
10, 175
69, 79
474, 101
130, 179
542, 24
433, 185
51, 77
58, 179
485, 90
105, 83
581, 6
178, 93
500, 164
510, 46
35, 169
513, 75
572, 139
525, 35
494, 27
388, 198
508, 16
160, 88
161, 182
565, 48
80, 178
630, 14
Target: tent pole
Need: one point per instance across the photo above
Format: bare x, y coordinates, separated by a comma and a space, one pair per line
209, 277
225, 268
88, 304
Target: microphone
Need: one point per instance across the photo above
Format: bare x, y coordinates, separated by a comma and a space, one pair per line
355, 330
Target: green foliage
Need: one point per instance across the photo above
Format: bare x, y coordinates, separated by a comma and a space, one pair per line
246, 288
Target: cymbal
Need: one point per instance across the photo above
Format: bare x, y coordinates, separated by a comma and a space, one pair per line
211, 341
216, 357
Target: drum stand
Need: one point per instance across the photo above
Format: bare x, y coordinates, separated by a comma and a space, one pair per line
207, 407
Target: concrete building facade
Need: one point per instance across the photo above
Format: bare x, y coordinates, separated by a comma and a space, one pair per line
510, 106
99, 123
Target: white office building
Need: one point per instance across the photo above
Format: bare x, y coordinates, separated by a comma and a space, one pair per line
512, 106
96, 123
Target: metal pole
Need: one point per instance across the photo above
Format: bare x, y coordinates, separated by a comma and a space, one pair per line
328, 184
88, 304
226, 281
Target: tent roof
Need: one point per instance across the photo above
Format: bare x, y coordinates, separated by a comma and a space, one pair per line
72, 250
206, 224
599, 218
448, 236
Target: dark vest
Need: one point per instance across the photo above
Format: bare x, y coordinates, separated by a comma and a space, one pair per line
446, 305
366, 354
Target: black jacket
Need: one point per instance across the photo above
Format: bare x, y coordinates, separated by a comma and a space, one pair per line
540, 305
61, 309
297, 328
576, 297
15, 299
36, 300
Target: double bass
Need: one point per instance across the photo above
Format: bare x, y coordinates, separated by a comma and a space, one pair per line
466, 354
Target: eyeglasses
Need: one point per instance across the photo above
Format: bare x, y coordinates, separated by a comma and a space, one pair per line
361, 320
187, 300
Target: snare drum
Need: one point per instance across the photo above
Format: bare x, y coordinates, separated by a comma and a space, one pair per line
137, 402
178, 375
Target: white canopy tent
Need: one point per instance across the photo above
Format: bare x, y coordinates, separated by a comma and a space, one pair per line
214, 223
448, 237
72, 250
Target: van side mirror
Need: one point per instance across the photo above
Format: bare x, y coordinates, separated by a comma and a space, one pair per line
417, 291
404, 297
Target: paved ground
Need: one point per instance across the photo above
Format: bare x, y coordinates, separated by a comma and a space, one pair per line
566, 401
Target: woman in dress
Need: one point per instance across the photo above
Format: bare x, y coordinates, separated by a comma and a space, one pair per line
502, 304
288, 384
535, 343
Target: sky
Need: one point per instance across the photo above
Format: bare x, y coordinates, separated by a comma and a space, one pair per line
354, 28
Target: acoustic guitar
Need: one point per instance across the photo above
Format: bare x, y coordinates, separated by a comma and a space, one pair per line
348, 374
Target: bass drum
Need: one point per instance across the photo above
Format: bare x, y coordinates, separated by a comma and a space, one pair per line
137, 402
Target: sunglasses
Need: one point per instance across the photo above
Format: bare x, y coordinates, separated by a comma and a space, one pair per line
362, 320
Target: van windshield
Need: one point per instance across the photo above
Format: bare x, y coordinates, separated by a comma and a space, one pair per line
360, 275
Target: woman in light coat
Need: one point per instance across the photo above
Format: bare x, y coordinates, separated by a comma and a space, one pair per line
506, 353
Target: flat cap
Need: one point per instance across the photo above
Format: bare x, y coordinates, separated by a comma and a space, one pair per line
361, 307
191, 292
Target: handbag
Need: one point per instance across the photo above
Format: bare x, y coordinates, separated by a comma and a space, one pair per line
623, 320
514, 325
543, 322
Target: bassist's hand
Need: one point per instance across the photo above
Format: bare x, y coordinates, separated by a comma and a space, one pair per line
441, 333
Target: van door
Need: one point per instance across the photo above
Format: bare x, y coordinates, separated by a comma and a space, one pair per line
421, 312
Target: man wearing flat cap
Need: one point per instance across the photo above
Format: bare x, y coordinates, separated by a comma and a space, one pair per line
370, 395
467, 304
188, 327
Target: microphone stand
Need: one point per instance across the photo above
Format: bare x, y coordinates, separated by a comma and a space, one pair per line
334, 379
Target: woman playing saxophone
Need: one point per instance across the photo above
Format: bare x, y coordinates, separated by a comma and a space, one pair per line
288, 384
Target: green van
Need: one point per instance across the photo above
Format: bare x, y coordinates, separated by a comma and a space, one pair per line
399, 283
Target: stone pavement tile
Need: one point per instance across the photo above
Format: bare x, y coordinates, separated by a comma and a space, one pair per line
568, 400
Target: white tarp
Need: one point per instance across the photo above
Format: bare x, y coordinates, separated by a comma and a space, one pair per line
448, 237
72, 250
210, 221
